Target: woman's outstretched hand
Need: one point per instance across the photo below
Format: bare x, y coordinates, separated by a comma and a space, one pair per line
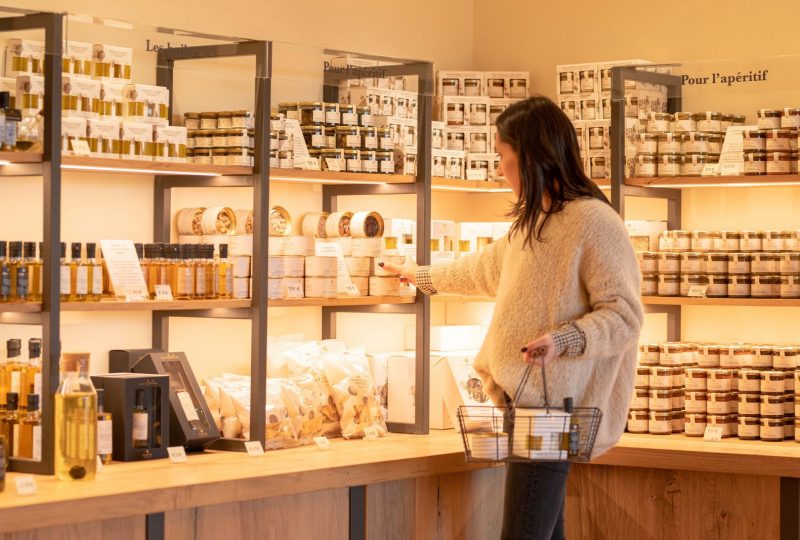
407, 272
540, 351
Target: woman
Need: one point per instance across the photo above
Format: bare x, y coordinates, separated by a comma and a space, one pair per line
566, 284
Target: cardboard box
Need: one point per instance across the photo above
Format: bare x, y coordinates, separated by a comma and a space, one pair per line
171, 143
146, 103
577, 78
599, 135
77, 58
404, 230
644, 234
507, 84
112, 62
479, 166
30, 94
362, 96
403, 130
24, 57
497, 106
123, 360
590, 106
402, 388
137, 141
72, 129
80, 96
112, 99
104, 137
461, 384
437, 135
460, 83
464, 111
363, 70
444, 234
571, 105
599, 165
405, 104
473, 236
453, 160
582, 134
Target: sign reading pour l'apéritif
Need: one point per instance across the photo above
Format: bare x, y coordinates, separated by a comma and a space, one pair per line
727, 79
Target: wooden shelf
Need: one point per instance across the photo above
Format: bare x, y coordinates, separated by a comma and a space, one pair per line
716, 181
751, 302
330, 177
21, 157
20, 307
341, 302
135, 166
469, 186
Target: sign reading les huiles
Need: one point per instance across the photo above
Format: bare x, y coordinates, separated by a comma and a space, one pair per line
727, 79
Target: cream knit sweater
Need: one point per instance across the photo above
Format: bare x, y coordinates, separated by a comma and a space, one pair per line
584, 270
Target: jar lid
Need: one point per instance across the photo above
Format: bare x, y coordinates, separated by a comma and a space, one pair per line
330, 152
240, 113
708, 115
768, 113
312, 104
791, 111
684, 116
647, 137
754, 133
225, 114
779, 133
209, 115
219, 151
738, 118
191, 115
346, 128
362, 109
306, 129
385, 154
288, 105
780, 156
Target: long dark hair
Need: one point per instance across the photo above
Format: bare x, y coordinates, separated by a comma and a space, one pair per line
549, 162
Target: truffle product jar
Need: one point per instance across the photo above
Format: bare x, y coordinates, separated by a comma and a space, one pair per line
721, 403
640, 400
365, 118
777, 140
647, 143
648, 261
790, 117
695, 143
669, 165
740, 286
597, 138
478, 114
369, 138
649, 354
671, 355
728, 359
790, 286
790, 263
385, 141
332, 116
191, 120
314, 136
718, 286
695, 425
728, 241
570, 108
660, 400
754, 139
202, 138
694, 263
330, 137
478, 143
749, 381
749, 428
702, 241
682, 240
598, 167
741, 263
669, 263
670, 143
708, 356
696, 402
631, 107
693, 280
774, 382
649, 284
715, 141
765, 263
755, 163
677, 421
352, 159
780, 162
717, 263
349, 115
310, 113
659, 122
727, 423
708, 121
456, 140
348, 137
684, 122
239, 137
771, 429
695, 380
646, 165
660, 378
769, 118
208, 120
455, 114
642, 379
752, 240
495, 87
660, 423
669, 284
638, 421
744, 356
587, 80
786, 357
693, 164
766, 286
776, 241
224, 120
763, 356
289, 110
719, 380
219, 138
385, 162
749, 404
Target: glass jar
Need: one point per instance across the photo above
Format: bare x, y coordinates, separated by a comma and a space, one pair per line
208, 120
219, 137
385, 162
780, 162
777, 140
752, 240
766, 286
755, 162
598, 167
454, 114
191, 120
718, 286
219, 156
202, 138
369, 161
646, 143
684, 122
330, 137
715, 142
352, 160
790, 286
692, 263
740, 263
449, 86
385, 141
238, 137
290, 111
702, 241
649, 284
658, 122
669, 263
695, 143
332, 116
669, 284
349, 115
348, 137
455, 140
717, 263
310, 113
327, 155
693, 164
693, 280
365, 118
670, 143
789, 263
472, 87
648, 261
202, 156
646, 165
478, 114
241, 119
728, 241
369, 138
286, 159
314, 136
224, 120
479, 143
769, 118
669, 165
708, 121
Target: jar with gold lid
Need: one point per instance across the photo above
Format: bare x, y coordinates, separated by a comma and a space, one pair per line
310, 113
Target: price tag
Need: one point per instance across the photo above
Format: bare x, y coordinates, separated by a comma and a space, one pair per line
710, 169
134, 293
81, 148
100, 465
254, 448
294, 291
177, 454
476, 174
333, 164
371, 433
713, 433
698, 291
26, 485
352, 290
164, 292
311, 164
322, 443
730, 169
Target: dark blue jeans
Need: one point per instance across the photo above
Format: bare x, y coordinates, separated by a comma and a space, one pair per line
534, 507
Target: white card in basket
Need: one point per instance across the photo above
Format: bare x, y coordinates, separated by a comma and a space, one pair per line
481, 419
539, 434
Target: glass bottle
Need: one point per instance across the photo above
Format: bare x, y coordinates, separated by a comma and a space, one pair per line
65, 275
34, 266
163, 264
79, 274
19, 272
3, 463
200, 291
9, 427
141, 422
173, 267
95, 273
19, 371
224, 273
108, 290
208, 263
5, 274
10, 372
105, 444
29, 444
185, 273
33, 379
76, 420
151, 268
11, 119
572, 439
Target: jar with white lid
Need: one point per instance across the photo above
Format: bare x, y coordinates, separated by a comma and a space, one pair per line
649, 354
693, 280
749, 428
715, 142
708, 121
766, 286
660, 400
702, 241
790, 117
649, 284
740, 286
695, 425
695, 402
777, 140
749, 381
717, 263
646, 143
751, 240
684, 122
755, 163
646, 166
695, 380
790, 286
660, 423
786, 357
721, 403
718, 286
640, 401
648, 261
693, 164
728, 241
670, 143
669, 284
638, 421
708, 355
692, 262
695, 142
769, 118
754, 139
776, 240
669, 165
780, 162
658, 122
642, 379
740, 263
719, 380
749, 404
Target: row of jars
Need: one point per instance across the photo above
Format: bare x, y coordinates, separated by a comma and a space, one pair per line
757, 163
788, 117
671, 165
772, 429
217, 120
218, 138
696, 379
317, 113
368, 161
697, 142
235, 155
719, 263
730, 241
686, 122
702, 402
714, 355
347, 137
722, 285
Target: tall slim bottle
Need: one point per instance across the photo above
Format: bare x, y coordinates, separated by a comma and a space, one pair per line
79, 274
171, 256
105, 443
19, 371
19, 272
29, 445
200, 291
185, 273
95, 273
224, 274
5, 274
10, 378
8, 423
34, 266
210, 271
65, 275
34, 378
76, 420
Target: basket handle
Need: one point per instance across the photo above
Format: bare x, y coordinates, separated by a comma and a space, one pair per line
524, 380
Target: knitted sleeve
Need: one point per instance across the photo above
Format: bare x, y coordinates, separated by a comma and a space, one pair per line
476, 274
610, 274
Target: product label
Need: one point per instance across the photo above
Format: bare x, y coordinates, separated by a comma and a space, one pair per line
64, 280
200, 281
104, 437
15, 376
140, 421
80, 147
318, 116
318, 140
37, 443
370, 142
386, 143
408, 139
353, 141
82, 281
369, 166
188, 406
477, 118
387, 166
97, 279
5, 282
350, 119
332, 117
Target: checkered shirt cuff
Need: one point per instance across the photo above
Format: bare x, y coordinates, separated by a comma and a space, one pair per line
424, 283
569, 340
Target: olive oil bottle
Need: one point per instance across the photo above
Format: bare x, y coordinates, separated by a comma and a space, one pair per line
76, 420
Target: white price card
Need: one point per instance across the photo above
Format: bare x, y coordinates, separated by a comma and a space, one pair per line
371, 433
311, 164
352, 290
713, 433
254, 448
322, 443
333, 164
730, 169
476, 174
135, 293
164, 292
698, 291
294, 291
710, 169
124, 269
81, 148
99, 467
26, 485
177, 454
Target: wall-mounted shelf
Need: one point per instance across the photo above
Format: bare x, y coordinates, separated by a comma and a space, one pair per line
743, 302
7, 158
331, 177
679, 182
469, 186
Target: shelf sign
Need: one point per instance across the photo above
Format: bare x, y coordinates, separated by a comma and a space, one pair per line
254, 448
26, 485
343, 281
164, 292
713, 434
476, 174
731, 159
711, 169
177, 454
81, 148
698, 291
124, 269
322, 442
371, 433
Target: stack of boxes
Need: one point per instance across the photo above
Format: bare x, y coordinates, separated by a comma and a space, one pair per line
467, 106
584, 94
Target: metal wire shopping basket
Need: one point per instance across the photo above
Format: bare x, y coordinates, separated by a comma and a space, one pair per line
529, 434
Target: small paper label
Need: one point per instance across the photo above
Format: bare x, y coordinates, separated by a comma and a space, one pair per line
26, 485
294, 291
105, 435
476, 174
135, 293
81, 148
188, 406
322, 443
352, 290
371, 433
713, 433
710, 169
99, 466
163, 292
140, 424
311, 164
730, 169
177, 454
698, 291
254, 448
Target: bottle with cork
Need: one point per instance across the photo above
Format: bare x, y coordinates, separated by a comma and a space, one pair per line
76, 420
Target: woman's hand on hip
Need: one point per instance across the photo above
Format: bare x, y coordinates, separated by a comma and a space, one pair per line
541, 351
407, 272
